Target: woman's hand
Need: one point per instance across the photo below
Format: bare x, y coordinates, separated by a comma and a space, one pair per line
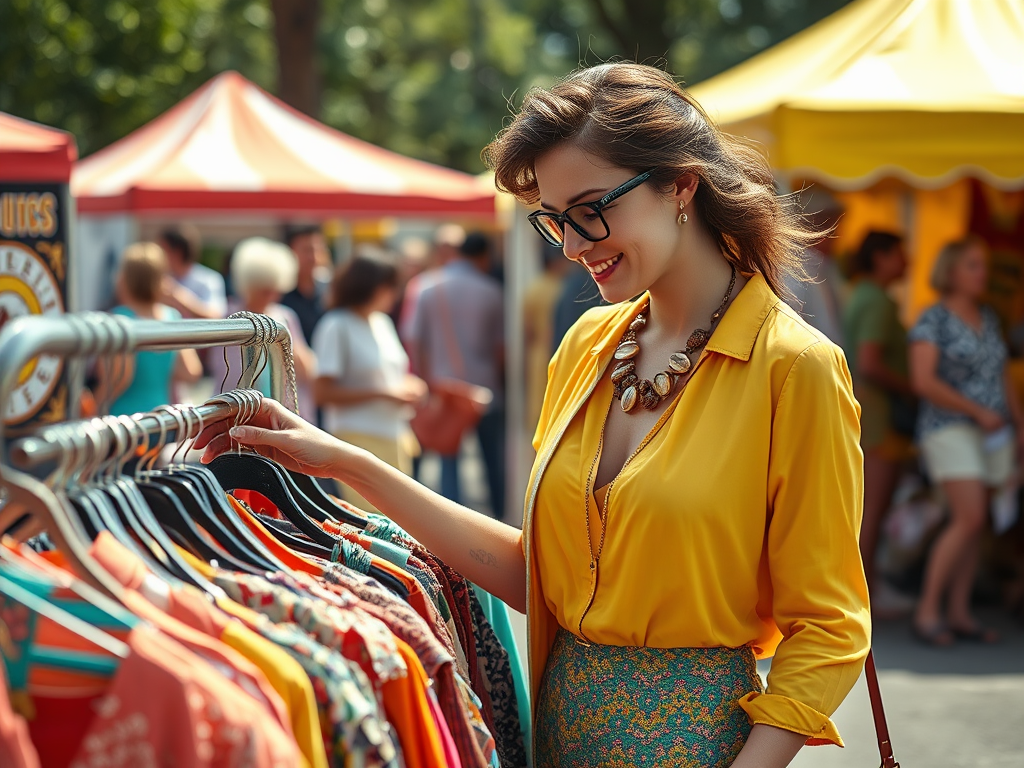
989, 420
281, 435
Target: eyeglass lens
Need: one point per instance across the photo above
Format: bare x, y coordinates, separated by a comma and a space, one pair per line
588, 222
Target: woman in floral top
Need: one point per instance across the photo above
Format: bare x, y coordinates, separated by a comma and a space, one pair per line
969, 429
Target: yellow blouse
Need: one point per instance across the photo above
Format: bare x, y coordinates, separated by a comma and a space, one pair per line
735, 525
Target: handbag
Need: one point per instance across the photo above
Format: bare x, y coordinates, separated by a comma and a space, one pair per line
878, 713
453, 406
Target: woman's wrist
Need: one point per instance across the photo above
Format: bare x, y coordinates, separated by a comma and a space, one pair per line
355, 466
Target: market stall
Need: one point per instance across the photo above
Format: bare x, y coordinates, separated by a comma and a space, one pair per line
35, 250
912, 111
236, 161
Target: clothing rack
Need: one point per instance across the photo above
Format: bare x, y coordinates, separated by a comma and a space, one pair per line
465, 724
51, 442
88, 334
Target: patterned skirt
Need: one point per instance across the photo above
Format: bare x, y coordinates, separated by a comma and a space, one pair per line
603, 705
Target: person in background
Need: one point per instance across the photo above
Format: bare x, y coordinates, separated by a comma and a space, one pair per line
539, 303
261, 272
818, 299
877, 353
447, 240
192, 289
970, 432
460, 314
413, 260
139, 383
313, 280
364, 386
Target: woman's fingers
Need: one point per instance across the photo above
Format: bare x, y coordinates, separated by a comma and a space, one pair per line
210, 433
215, 447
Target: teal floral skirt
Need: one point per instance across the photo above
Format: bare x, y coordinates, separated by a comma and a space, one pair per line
603, 705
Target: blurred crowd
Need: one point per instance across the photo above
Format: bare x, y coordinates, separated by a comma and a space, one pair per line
373, 337
941, 429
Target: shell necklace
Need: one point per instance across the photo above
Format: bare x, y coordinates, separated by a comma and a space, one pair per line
630, 389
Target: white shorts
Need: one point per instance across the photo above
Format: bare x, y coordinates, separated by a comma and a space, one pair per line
959, 452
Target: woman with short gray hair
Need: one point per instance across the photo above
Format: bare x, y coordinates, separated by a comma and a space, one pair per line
969, 429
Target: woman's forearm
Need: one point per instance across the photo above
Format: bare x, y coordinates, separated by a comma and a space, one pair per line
487, 552
769, 747
941, 394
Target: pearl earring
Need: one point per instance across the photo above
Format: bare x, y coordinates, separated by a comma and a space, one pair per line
681, 218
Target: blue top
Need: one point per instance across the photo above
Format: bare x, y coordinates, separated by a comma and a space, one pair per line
973, 363
151, 385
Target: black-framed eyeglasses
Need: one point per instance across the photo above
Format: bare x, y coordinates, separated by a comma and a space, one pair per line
585, 218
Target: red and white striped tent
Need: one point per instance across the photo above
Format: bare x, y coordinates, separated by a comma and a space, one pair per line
33, 152
232, 147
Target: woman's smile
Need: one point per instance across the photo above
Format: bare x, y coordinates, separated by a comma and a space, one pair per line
602, 270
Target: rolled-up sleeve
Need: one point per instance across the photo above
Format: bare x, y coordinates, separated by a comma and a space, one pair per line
819, 593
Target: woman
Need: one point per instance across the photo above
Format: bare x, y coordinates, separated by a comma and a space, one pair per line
966, 427
664, 546
877, 343
364, 386
139, 383
261, 272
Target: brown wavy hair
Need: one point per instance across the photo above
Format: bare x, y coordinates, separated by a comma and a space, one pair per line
639, 118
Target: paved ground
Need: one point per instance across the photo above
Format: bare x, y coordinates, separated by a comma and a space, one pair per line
951, 708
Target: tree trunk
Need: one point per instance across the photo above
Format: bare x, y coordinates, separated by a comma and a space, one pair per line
295, 27
637, 26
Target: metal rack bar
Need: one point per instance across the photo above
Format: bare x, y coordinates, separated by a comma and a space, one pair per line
49, 443
96, 333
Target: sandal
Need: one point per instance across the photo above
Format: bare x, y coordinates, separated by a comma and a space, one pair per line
975, 634
936, 635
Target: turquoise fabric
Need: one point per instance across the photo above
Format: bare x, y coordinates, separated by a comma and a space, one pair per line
497, 614
151, 385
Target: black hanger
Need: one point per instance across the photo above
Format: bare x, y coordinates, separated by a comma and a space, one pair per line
88, 515
252, 472
197, 505
208, 485
171, 513
127, 532
323, 501
138, 514
200, 511
284, 532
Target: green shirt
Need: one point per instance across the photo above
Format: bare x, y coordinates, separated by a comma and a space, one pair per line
872, 316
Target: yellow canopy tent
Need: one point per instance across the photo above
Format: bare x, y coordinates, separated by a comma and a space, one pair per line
894, 105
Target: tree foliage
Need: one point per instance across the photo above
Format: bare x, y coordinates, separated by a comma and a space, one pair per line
429, 78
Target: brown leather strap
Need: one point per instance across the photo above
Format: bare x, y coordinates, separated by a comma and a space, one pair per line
878, 712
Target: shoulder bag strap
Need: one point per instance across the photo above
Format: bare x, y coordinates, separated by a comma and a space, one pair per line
878, 712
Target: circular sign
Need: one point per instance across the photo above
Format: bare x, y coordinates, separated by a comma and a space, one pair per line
27, 287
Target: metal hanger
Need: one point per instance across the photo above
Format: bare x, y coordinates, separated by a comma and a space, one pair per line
254, 472
207, 484
177, 519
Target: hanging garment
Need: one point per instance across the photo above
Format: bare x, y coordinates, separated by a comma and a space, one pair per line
189, 606
16, 750
498, 615
408, 625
